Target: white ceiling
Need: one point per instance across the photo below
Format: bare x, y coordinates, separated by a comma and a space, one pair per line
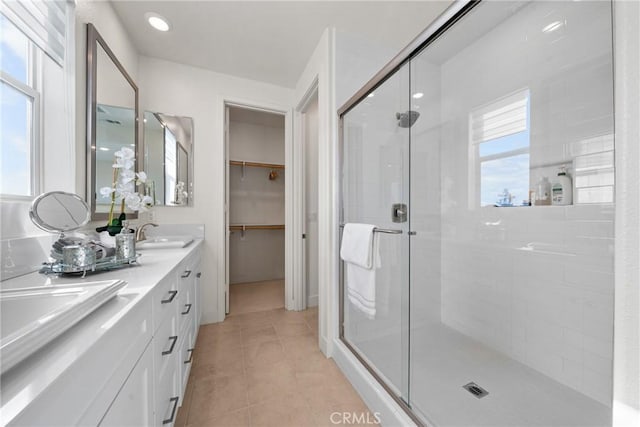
269, 41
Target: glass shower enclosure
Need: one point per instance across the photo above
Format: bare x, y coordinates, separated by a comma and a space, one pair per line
494, 281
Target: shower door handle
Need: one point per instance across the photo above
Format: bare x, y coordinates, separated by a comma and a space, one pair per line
399, 212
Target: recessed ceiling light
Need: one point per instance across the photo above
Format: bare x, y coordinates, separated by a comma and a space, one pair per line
552, 27
104, 149
418, 95
158, 22
371, 95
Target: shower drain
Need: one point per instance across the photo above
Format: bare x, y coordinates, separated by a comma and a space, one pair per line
476, 390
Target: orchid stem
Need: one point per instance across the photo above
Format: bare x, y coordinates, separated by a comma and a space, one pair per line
113, 195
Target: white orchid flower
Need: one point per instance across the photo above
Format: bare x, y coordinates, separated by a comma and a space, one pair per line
126, 176
123, 163
133, 201
125, 153
126, 179
106, 191
142, 176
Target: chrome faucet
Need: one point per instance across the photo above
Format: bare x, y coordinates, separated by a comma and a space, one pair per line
140, 236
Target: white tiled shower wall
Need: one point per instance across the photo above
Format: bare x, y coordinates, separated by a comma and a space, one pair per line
534, 283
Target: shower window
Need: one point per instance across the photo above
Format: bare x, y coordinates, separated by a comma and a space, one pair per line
500, 136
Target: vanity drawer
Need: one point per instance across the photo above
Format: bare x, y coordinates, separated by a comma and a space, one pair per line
165, 299
167, 399
166, 346
185, 361
187, 307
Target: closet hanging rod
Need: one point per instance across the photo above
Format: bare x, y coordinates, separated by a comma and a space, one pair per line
256, 227
382, 230
256, 164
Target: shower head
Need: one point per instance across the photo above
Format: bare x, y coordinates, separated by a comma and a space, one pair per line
407, 119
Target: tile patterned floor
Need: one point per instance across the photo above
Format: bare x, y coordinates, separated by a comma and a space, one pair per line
265, 369
256, 296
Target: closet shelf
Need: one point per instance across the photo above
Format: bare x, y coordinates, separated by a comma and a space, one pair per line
256, 164
236, 227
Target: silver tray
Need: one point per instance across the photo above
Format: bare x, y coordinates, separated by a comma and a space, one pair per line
106, 264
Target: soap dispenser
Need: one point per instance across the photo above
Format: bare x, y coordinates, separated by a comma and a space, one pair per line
543, 192
562, 189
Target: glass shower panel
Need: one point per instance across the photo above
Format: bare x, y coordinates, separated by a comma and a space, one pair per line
506, 298
375, 177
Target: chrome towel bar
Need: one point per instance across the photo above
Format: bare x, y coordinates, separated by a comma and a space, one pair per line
382, 230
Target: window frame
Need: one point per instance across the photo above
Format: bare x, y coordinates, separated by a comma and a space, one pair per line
32, 89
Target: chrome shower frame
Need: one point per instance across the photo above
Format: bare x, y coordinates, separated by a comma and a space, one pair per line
438, 27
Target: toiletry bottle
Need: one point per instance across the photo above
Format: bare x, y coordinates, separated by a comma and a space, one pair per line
562, 189
543, 192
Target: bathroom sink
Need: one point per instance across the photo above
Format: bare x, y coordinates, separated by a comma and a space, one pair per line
164, 242
32, 317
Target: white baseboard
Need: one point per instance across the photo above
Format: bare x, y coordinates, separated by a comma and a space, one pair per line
374, 395
312, 301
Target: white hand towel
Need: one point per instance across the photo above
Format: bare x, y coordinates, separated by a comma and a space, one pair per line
357, 245
359, 251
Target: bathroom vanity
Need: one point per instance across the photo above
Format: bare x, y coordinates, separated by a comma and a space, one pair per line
127, 363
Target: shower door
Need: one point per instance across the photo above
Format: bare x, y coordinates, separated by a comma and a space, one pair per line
511, 305
375, 190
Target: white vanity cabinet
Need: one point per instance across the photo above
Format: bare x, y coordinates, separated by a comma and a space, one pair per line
174, 340
188, 321
126, 364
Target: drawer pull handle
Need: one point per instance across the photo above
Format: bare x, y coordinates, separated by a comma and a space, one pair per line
188, 306
173, 411
186, 274
168, 300
174, 340
186, 362
199, 275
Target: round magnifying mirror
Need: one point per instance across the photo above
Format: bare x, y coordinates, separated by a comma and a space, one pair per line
58, 211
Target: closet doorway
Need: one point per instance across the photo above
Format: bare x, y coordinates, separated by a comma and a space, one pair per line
255, 195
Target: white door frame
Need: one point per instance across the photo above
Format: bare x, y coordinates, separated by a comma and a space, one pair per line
299, 208
223, 259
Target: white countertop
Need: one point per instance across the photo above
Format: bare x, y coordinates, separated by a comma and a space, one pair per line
23, 384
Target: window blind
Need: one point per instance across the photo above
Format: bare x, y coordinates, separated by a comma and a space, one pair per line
43, 21
500, 118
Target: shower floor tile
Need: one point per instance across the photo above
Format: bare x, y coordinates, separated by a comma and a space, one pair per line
443, 360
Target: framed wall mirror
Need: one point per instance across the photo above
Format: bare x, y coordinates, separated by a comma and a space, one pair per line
112, 117
168, 158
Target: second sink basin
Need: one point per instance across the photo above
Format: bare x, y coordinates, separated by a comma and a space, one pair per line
32, 317
164, 242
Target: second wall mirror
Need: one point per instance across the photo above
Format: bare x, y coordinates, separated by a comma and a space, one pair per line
112, 112
168, 158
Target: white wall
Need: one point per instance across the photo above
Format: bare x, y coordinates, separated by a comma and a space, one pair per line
319, 72
550, 306
256, 255
197, 93
626, 366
